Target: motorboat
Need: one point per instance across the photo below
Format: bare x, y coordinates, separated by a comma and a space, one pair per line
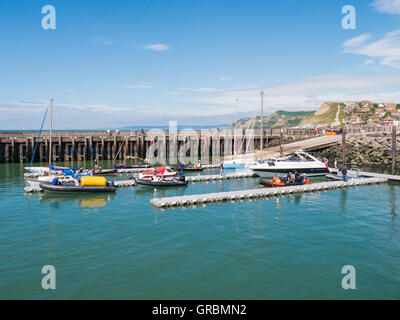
36, 181
344, 175
85, 184
195, 167
166, 172
100, 172
239, 163
119, 166
301, 161
170, 182
44, 169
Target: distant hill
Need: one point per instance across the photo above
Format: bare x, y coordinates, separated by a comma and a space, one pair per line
329, 114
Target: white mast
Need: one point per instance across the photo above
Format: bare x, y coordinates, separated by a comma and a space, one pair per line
51, 129
261, 125
234, 130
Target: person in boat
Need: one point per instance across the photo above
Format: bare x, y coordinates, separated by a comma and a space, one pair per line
155, 178
276, 180
344, 173
297, 177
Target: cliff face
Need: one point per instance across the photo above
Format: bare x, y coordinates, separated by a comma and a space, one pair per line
329, 114
276, 120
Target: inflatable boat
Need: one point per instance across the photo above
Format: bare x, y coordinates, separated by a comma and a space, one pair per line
86, 184
277, 182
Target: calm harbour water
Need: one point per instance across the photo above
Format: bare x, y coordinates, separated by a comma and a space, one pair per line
119, 247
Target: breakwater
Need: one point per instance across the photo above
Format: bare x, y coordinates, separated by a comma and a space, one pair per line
18, 146
368, 151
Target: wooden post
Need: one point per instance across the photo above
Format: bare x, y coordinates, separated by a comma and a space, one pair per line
394, 150
60, 150
12, 149
344, 147
125, 149
21, 152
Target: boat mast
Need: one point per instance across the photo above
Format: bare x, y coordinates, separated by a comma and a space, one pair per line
234, 130
51, 130
261, 125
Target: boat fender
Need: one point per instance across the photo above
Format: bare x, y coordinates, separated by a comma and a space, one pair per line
54, 182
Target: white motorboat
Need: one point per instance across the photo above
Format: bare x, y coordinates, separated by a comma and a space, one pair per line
239, 163
35, 182
301, 161
44, 169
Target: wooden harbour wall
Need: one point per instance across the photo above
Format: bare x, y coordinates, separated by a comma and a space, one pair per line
18, 146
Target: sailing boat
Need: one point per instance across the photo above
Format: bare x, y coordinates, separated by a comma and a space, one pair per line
240, 162
32, 171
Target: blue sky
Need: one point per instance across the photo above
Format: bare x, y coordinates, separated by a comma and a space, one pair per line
111, 64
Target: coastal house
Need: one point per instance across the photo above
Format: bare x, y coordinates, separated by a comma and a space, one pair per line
390, 105
354, 119
379, 112
373, 122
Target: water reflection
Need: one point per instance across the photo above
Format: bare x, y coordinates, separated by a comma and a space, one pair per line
82, 200
392, 201
342, 202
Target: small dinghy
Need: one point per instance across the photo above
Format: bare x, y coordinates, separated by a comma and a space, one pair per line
104, 172
344, 175
125, 166
180, 181
189, 168
86, 184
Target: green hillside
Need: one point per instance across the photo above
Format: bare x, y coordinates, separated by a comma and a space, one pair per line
329, 114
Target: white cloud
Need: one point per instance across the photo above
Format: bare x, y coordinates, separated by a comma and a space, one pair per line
225, 78
305, 94
201, 89
157, 47
368, 62
387, 6
386, 49
357, 41
174, 93
142, 85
